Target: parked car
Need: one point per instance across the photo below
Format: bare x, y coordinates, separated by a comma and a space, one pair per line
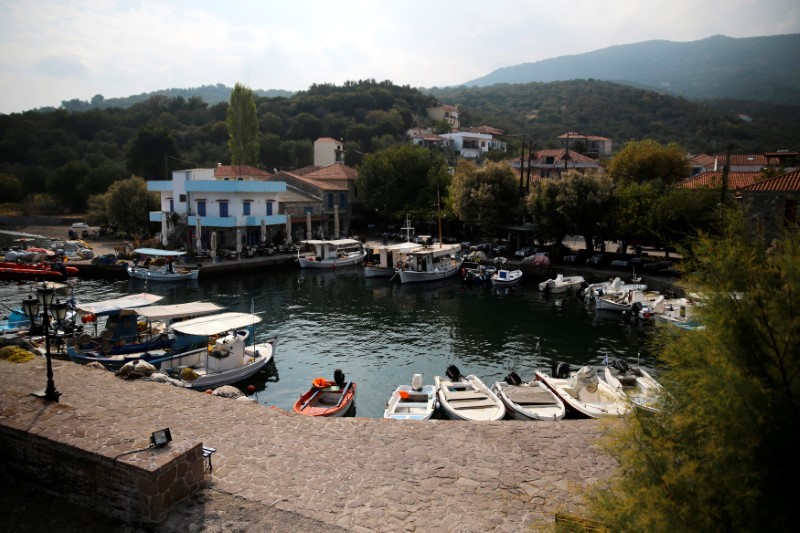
595, 260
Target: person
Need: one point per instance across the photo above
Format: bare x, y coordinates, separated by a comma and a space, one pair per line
72, 235
170, 269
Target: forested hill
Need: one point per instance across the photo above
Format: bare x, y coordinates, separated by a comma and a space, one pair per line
622, 113
210, 94
752, 68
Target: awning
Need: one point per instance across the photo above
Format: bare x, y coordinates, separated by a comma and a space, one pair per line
168, 312
158, 252
216, 324
107, 307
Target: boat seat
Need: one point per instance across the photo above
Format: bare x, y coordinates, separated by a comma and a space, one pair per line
476, 404
415, 398
411, 405
463, 395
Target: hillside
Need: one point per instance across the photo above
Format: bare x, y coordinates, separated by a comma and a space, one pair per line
753, 68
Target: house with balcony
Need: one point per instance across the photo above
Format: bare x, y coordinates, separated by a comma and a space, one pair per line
226, 200
328, 151
553, 163
446, 113
473, 145
591, 145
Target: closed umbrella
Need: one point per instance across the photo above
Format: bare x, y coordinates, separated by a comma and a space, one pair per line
263, 230
198, 231
238, 241
288, 229
336, 222
214, 244
308, 225
164, 235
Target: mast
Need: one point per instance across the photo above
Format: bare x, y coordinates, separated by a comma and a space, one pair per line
407, 229
439, 214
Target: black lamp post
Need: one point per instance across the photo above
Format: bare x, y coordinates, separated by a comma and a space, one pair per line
44, 297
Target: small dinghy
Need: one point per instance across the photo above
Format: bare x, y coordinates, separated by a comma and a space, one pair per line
467, 398
412, 402
529, 401
335, 398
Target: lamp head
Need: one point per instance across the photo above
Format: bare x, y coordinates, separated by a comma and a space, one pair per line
59, 310
30, 307
45, 295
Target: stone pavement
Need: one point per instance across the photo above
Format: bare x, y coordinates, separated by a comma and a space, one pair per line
358, 474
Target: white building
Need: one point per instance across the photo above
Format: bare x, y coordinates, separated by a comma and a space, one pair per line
328, 151
471, 145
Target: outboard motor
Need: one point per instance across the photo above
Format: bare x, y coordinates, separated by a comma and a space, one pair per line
416, 382
338, 377
634, 310
620, 365
453, 373
561, 370
513, 379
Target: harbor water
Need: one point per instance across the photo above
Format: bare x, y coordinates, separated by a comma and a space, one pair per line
380, 333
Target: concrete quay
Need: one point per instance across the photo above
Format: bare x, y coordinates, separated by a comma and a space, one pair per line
350, 474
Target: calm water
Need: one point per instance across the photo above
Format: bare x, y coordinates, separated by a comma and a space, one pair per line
380, 333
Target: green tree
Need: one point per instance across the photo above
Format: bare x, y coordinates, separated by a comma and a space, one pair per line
585, 202
648, 160
402, 179
485, 196
97, 210
631, 215
242, 127
721, 454
545, 207
11, 187
128, 206
147, 152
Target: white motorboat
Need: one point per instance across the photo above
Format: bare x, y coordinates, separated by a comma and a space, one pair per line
612, 287
412, 402
639, 386
633, 301
331, 254
562, 283
529, 401
678, 312
504, 277
163, 272
228, 358
585, 394
467, 398
441, 261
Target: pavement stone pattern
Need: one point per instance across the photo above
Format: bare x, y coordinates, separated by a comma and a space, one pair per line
359, 474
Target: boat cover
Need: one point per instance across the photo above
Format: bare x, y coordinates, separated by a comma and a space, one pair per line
167, 312
216, 324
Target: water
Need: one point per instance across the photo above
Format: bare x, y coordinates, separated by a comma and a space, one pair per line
380, 333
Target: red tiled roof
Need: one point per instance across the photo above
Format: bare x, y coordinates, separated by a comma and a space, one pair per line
486, 129
327, 140
574, 135
783, 183
320, 184
713, 180
738, 160
228, 171
305, 170
335, 171
702, 160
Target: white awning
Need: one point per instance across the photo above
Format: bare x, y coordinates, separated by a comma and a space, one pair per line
335, 242
158, 252
167, 312
106, 307
216, 324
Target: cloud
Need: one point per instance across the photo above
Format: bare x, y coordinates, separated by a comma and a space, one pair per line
61, 67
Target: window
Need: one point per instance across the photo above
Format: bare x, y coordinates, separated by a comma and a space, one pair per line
201, 208
223, 209
171, 205
246, 208
181, 198
330, 200
342, 200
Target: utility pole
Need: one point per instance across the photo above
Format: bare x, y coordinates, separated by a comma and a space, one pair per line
725, 170
530, 157
522, 164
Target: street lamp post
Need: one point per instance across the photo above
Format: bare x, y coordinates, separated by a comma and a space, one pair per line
44, 297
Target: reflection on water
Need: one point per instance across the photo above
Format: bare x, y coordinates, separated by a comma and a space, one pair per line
380, 333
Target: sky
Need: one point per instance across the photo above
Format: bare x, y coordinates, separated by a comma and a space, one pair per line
57, 50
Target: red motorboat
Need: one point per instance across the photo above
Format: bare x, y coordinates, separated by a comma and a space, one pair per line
328, 398
42, 271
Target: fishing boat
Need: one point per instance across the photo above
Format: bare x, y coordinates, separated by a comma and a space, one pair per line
639, 386
154, 340
38, 271
504, 277
333, 399
584, 393
467, 397
412, 402
441, 261
382, 261
226, 358
331, 254
165, 270
562, 283
529, 401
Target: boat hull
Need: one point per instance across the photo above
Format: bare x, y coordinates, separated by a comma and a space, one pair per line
412, 276
530, 401
417, 404
158, 275
468, 399
603, 402
332, 401
309, 262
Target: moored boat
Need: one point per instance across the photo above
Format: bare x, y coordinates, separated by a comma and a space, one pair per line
639, 386
467, 397
331, 254
333, 399
504, 277
412, 402
584, 393
440, 261
39, 271
562, 283
166, 272
529, 401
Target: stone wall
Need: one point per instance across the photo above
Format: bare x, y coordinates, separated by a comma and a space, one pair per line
138, 488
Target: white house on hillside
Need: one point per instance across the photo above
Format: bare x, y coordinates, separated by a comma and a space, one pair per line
472, 145
328, 151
